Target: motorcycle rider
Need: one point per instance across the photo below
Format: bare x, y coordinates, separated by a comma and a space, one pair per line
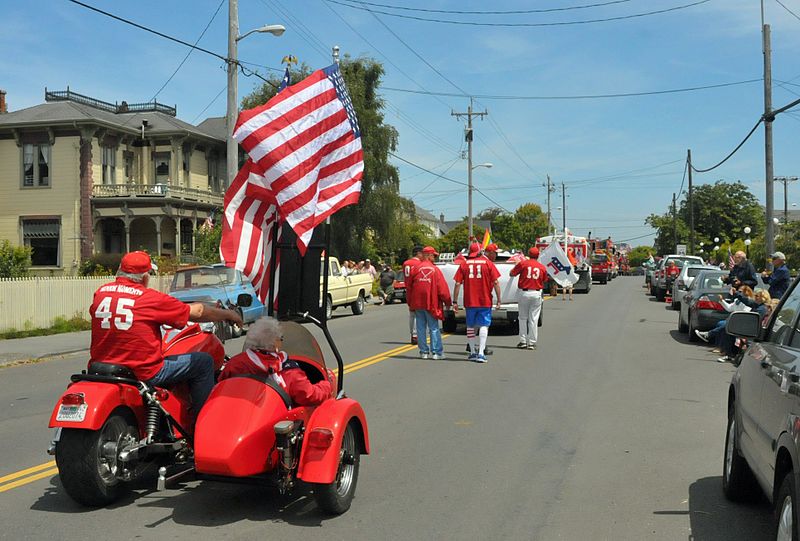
126, 329
262, 355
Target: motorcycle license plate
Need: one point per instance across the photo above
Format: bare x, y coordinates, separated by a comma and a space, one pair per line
71, 413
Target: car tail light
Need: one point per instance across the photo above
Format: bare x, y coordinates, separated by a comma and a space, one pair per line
73, 399
320, 438
704, 303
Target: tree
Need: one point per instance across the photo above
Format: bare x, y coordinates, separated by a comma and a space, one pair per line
639, 255
14, 260
372, 223
207, 243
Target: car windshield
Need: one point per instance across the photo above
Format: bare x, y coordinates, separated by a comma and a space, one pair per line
599, 258
681, 261
711, 280
203, 277
400, 277
691, 272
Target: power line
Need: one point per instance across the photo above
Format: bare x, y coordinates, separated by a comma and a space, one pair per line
685, 168
636, 238
571, 97
210, 103
621, 176
795, 15
559, 23
725, 159
506, 12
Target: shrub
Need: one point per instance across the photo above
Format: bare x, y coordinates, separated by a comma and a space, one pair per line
14, 260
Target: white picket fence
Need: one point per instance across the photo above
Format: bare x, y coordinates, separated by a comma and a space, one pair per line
32, 303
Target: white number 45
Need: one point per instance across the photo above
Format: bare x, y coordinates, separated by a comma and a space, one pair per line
123, 314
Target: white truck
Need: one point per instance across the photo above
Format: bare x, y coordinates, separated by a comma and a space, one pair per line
509, 310
351, 290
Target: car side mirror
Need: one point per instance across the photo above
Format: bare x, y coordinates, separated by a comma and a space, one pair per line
244, 300
744, 324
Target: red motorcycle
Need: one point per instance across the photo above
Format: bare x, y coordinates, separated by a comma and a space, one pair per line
111, 427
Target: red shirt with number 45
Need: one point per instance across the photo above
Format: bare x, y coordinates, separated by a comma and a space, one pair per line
532, 274
126, 325
478, 275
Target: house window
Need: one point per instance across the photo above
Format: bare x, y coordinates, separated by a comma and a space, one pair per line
162, 167
128, 157
43, 235
213, 174
35, 166
109, 165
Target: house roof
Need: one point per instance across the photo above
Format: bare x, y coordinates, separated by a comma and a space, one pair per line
70, 113
215, 126
424, 214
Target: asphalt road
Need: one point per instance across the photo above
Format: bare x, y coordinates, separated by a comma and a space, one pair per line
612, 429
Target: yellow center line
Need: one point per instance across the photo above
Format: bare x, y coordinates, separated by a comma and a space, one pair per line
51, 470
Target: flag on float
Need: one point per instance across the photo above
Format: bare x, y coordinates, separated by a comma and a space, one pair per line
286, 81
248, 228
487, 239
307, 142
731, 261
557, 264
208, 224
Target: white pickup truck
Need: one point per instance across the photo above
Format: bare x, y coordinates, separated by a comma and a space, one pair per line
352, 290
509, 310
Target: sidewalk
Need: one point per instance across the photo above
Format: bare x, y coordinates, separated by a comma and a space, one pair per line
36, 347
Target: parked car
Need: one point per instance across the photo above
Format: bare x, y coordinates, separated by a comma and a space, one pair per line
217, 284
684, 280
667, 272
351, 290
700, 307
651, 290
762, 442
399, 288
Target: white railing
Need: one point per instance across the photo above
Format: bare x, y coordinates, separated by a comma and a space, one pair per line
32, 303
156, 190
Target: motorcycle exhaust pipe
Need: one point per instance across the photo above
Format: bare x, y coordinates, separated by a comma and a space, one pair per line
284, 439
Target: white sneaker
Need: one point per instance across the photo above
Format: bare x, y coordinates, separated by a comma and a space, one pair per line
532, 345
702, 335
522, 344
424, 355
437, 357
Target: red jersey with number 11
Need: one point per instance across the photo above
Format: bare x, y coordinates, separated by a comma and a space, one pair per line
478, 275
532, 274
126, 325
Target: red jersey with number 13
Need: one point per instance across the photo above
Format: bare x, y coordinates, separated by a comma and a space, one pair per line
478, 275
126, 325
532, 274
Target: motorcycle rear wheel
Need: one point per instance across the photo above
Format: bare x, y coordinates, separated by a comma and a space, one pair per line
87, 460
335, 498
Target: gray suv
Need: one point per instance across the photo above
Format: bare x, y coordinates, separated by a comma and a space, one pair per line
762, 444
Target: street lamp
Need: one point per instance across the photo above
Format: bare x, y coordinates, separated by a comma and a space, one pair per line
747, 241
469, 194
232, 150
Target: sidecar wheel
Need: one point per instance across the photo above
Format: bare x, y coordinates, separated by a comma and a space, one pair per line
87, 460
335, 498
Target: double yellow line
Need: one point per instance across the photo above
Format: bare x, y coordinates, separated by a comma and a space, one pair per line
48, 469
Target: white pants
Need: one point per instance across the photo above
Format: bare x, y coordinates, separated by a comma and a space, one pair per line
412, 323
530, 306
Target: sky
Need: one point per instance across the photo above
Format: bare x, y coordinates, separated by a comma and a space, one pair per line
620, 159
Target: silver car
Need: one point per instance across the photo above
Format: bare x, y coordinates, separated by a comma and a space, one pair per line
684, 280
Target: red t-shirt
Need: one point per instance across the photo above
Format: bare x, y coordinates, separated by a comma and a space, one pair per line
126, 325
286, 373
478, 275
429, 290
408, 266
532, 274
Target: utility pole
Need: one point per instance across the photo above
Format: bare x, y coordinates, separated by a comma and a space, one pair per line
550, 189
674, 224
564, 209
232, 149
468, 137
769, 117
786, 181
691, 202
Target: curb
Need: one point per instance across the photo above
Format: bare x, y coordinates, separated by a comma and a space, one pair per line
22, 360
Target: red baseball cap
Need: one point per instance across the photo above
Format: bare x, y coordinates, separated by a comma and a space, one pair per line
430, 250
474, 249
137, 263
491, 248
533, 251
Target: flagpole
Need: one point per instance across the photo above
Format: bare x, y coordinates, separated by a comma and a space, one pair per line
273, 266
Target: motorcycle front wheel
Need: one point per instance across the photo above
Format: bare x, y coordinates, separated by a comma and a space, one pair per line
87, 460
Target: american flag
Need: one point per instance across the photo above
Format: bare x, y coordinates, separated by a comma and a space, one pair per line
307, 142
731, 262
247, 229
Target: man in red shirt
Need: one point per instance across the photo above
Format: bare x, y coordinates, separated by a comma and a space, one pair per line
126, 329
491, 252
428, 293
532, 276
262, 355
409, 265
478, 276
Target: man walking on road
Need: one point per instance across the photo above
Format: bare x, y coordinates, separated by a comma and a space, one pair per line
427, 294
408, 266
479, 276
532, 276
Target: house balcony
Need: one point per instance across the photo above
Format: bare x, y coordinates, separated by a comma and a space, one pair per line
148, 191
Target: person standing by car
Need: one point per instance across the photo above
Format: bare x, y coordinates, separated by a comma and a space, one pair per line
126, 329
532, 276
386, 284
491, 252
568, 289
427, 292
369, 269
478, 276
779, 280
409, 265
742, 273
262, 355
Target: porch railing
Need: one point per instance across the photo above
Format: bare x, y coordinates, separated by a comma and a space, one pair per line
156, 190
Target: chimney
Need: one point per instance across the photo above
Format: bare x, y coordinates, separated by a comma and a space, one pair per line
441, 217
3, 106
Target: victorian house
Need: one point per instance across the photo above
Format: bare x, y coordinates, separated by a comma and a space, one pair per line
80, 176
